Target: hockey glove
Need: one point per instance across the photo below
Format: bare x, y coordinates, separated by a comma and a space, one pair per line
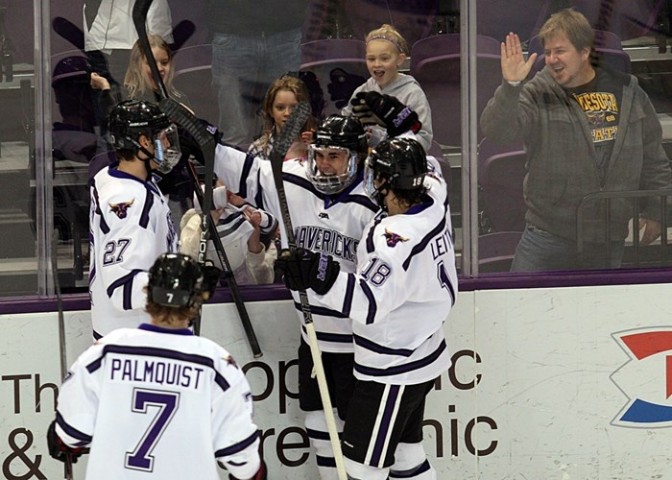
211, 275
396, 117
362, 112
59, 450
303, 269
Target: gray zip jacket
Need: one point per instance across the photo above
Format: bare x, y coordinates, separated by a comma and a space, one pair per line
561, 160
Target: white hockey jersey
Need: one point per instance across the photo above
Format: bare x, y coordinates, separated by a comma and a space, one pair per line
130, 226
159, 403
402, 292
333, 225
234, 231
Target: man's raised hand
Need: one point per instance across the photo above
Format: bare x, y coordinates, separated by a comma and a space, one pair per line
514, 66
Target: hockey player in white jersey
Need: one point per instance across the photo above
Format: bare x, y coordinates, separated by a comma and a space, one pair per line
158, 401
329, 210
130, 223
398, 300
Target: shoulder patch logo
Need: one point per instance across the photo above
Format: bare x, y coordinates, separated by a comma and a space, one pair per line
121, 209
393, 239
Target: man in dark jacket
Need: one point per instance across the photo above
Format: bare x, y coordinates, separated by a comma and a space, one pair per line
586, 129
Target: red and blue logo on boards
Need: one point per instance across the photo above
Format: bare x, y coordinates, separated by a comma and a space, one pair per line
646, 378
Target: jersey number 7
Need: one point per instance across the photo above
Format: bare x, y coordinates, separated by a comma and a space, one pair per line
166, 403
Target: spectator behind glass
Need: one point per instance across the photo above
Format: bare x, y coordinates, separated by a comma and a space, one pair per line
386, 51
109, 36
253, 44
73, 138
139, 84
281, 99
109, 33
586, 129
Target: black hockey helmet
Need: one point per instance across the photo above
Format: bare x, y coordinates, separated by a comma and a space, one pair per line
341, 131
337, 132
131, 119
175, 280
400, 161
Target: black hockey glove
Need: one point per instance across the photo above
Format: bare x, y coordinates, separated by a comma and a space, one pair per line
303, 269
260, 475
59, 450
362, 112
397, 117
211, 275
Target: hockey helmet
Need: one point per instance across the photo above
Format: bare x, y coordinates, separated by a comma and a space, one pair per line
401, 162
131, 119
175, 280
337, 133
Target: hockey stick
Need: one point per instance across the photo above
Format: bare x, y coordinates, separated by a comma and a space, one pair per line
206, 142
67, 465
290, 131
228, 273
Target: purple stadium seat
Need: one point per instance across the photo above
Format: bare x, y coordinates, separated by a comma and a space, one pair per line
339, 66
625, 18
496, 18
414, 19
435, 64
501, 171
496, 250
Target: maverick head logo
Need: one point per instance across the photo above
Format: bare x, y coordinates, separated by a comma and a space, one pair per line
121, 209
645, 379
393, 238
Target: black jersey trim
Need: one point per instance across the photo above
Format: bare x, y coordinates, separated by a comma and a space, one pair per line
331, 337
407, 367
127, 283
83, 438
421, 245
149, 202
376, 347
237, 447
324, 311
161, 353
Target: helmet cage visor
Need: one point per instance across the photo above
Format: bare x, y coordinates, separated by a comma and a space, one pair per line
331, 183
167, 148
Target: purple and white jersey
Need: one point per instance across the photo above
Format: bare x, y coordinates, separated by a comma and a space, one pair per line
331, 224
402, 292
130, 226
159, 403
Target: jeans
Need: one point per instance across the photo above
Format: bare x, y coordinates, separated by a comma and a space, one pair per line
539, 251
242, 70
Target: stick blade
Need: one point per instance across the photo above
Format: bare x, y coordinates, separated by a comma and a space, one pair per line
290, 132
